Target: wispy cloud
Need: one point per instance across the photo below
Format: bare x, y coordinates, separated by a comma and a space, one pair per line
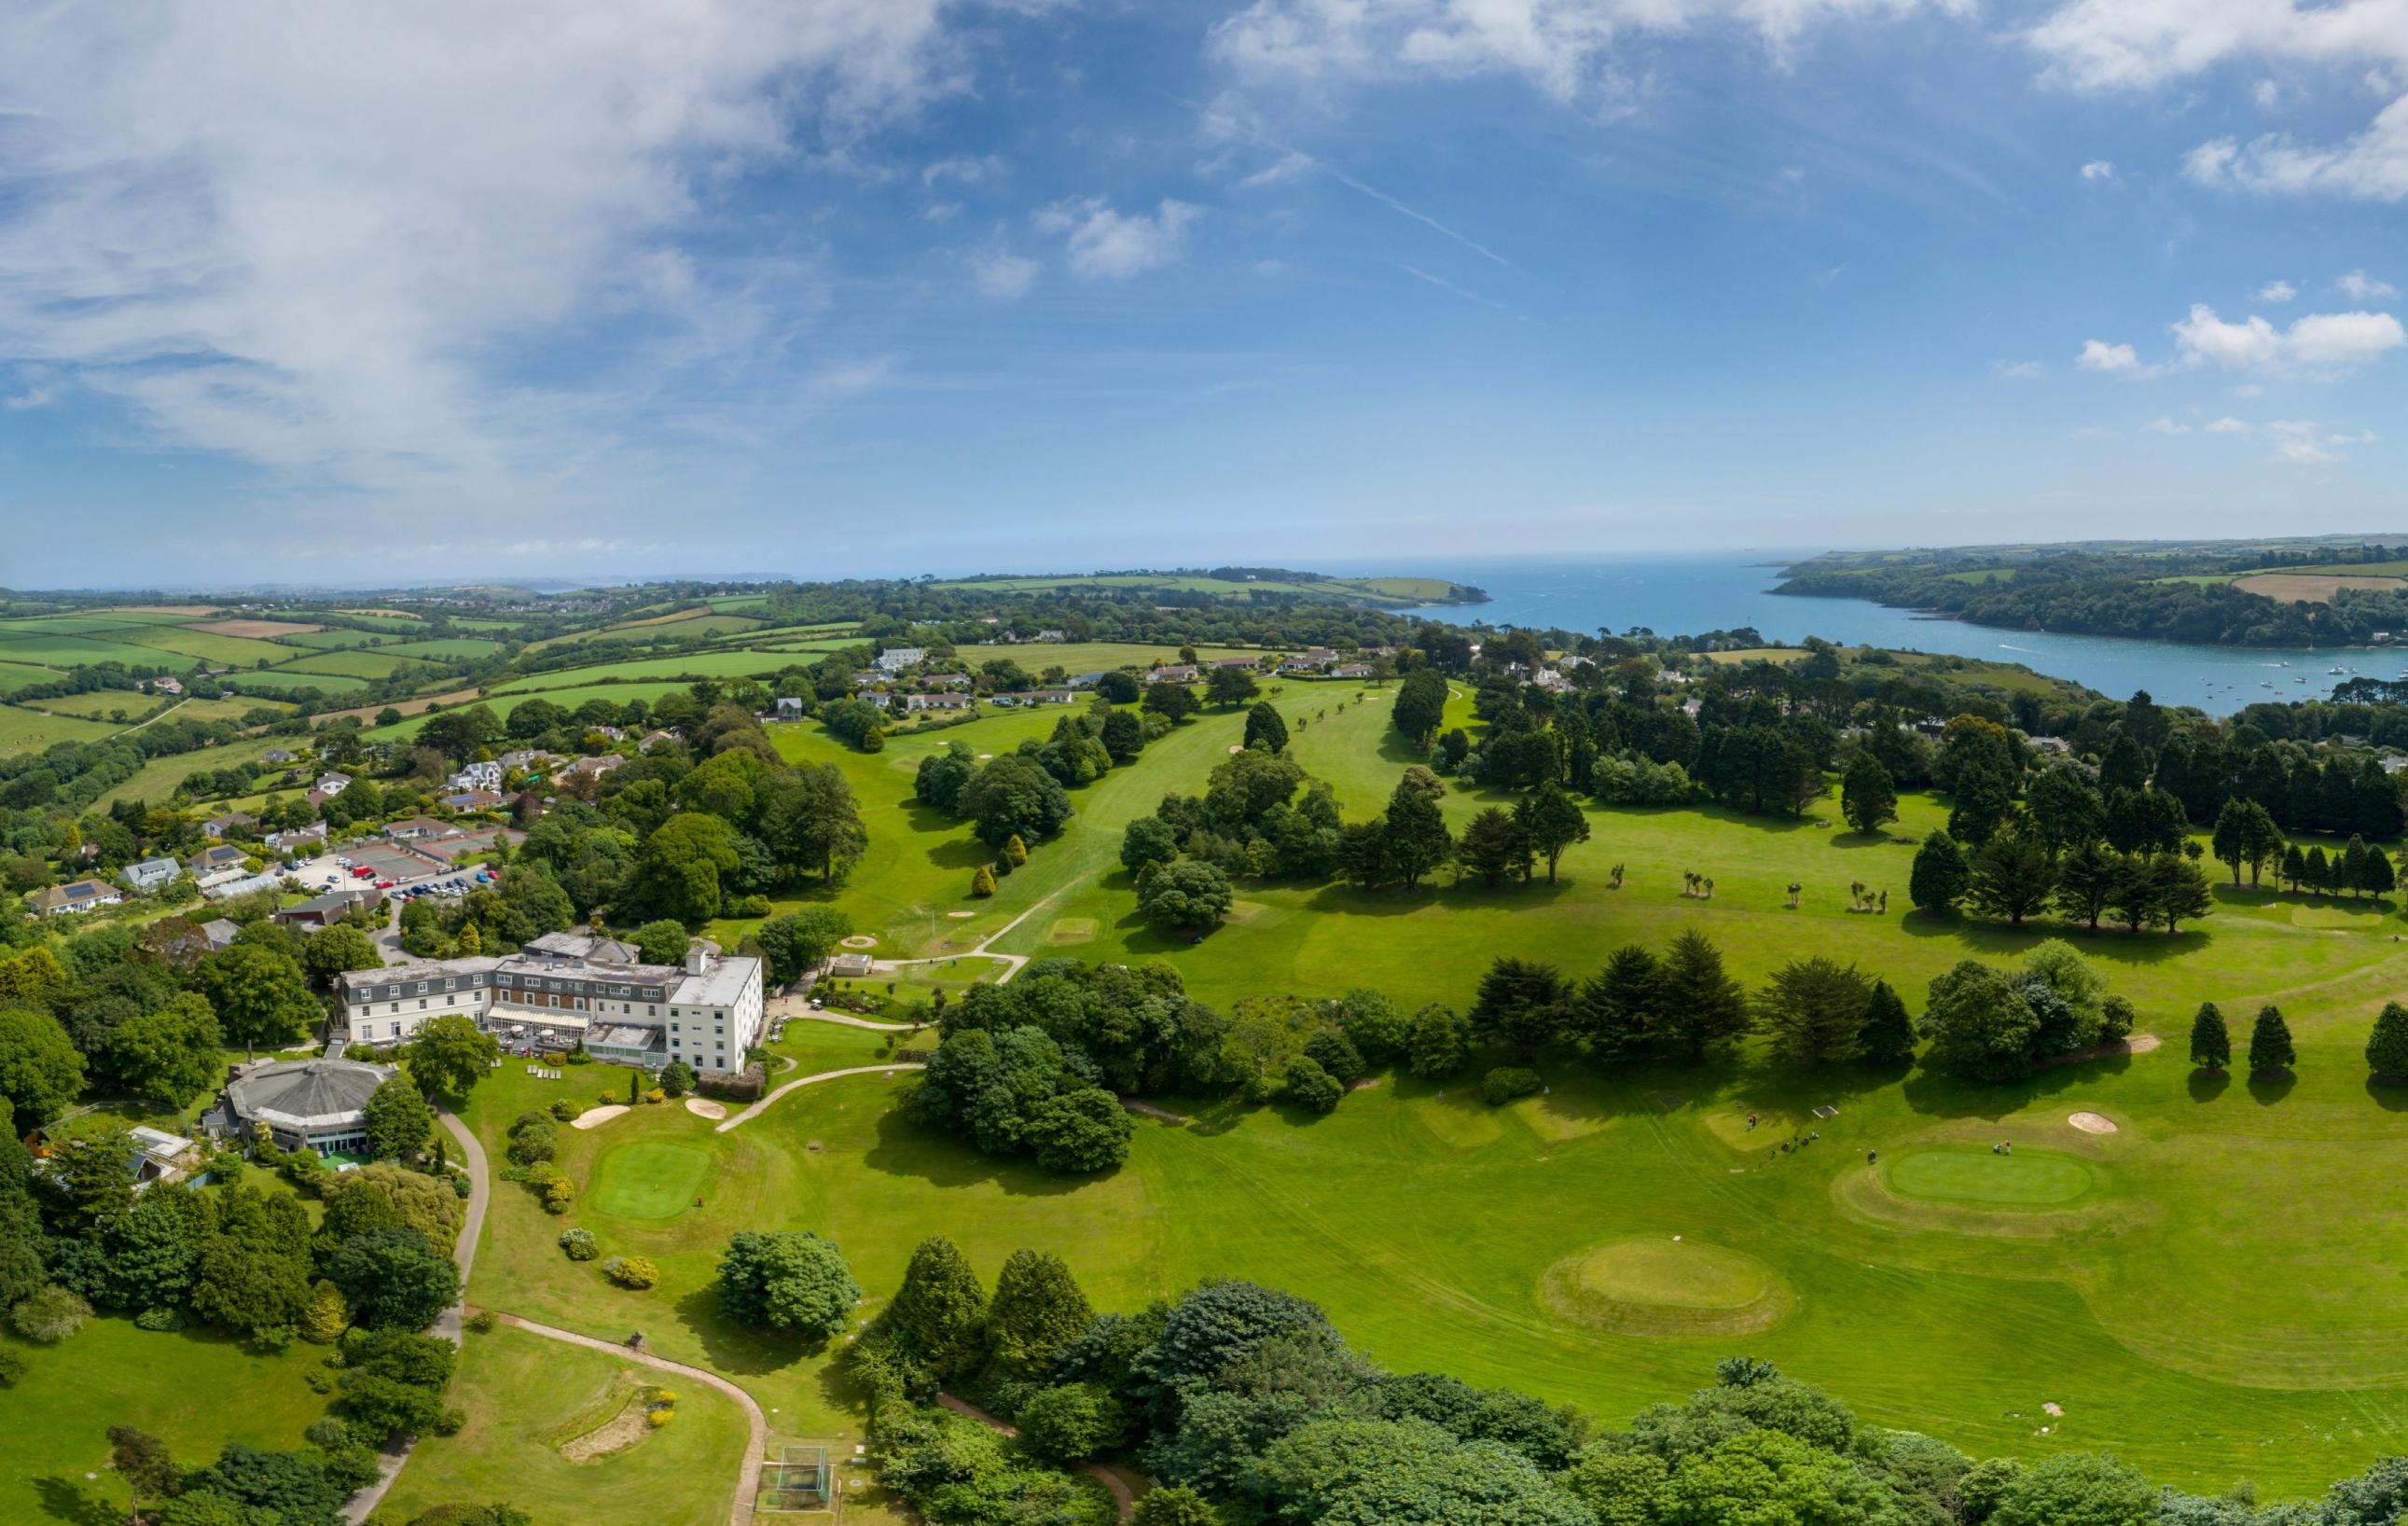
2360, 287
1116, 245
2020, 370
2098, 169
2277, 291
2115, 359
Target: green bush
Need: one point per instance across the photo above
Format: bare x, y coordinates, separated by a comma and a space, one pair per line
166, 1317
482, 1322
49, 1314
1508, 1082
580, 1244
637, 1272
566, 1111
12, 1367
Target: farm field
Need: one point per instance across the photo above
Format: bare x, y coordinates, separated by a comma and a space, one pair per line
280, 679
444, 648
618, 693
30, 730
209, 646
15, 675
2308, 587
96, 704
528, 1396
67, 650
1386, 591
160, 776
358, 663
741, 664
1093, 656
334, 637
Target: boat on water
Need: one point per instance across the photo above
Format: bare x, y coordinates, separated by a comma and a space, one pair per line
2265, 683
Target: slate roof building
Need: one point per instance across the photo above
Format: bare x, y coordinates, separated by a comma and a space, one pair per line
317, 1104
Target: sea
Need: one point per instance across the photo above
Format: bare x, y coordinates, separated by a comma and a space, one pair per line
1685, 595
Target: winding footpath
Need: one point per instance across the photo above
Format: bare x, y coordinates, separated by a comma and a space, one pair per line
763, 1104
1013, 963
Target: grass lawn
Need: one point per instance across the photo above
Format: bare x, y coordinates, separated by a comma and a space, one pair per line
377, 662
445, 649
24, 730
159, 777
283, 679
526, 1395
737, 664
15, 675
194, 1390
233, 651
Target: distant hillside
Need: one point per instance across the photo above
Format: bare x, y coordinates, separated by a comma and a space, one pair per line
1244, 585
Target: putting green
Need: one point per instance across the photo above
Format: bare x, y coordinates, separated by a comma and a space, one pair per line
1659, 1285
2026, 1179
648, 1179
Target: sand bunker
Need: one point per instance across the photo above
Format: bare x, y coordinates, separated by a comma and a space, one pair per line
2092, 1123
861, 940
595, 1118
703, 1107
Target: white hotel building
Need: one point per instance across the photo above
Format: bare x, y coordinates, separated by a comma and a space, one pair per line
566, 989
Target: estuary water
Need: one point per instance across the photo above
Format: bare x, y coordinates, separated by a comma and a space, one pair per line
1688, 594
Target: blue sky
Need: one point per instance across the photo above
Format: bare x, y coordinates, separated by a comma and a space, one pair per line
827, 287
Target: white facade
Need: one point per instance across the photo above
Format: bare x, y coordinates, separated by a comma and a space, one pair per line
484, 775
707, 1013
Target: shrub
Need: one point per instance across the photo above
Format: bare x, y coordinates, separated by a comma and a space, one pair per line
165, 1317
658, 1417
1508, 1082
566, 1111
558, 1193
656, 1095
637, 1272
580, 1244
1312, 1087
482, 1322
677, 1078
49, 1314
12, 1367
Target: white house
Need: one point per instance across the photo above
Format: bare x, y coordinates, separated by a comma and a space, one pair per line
896, 659
75, 895
333, 783
484, 775
573, 990
149, 875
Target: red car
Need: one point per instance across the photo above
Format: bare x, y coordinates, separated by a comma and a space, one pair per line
384, 885
361, 872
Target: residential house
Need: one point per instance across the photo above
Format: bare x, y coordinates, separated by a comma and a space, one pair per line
1051, 697
653, 738
1177, 673
277, 755
2056, 745
484, 775
332, 907
220, 932
1237, 662
529, 760
421, 830
1313, 657
1086, 681
946, 681
165, 685
475, 799
868, 678
1052, 636
938, 701
1352, 670
590, 768
75, 895
221, 826
298, 839
217, 865
149, 875
896, 659
790, 709
331, 784
159, 1156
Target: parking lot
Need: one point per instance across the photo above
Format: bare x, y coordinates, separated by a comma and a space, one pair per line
399, 873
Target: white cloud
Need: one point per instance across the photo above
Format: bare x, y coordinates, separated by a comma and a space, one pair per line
2227, 425
2020, 370
2371, 167
2166, 426
2323, 340
2268, 94
2360, 287
325, 238
2099, 355
1287, 167
2098, 169
1107, 243
2307, 444
965, 169
2277, 291
1563, 46
30, 398
999, 272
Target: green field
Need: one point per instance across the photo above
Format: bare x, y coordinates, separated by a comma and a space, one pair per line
69, 651
159, 777
112, 1374
281, 679
95, 704
1384, 591
231, 651
649, 1181
741, 664
23, 730
445, 649
15, 675
618, 693
336, 638
523, 1392
380, 662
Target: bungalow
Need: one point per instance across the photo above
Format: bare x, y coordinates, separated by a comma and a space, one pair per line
1051, 697
313, 835
896, 659
1352, 670
1177, 673
215, 866
591, 768
530, 759
220, 932
475, 799
1053, 635
75, 895
947, 681
936, 701
421, 830
868, 678
1086, 681
653, 738
1237, 662
277, 755
332, 784
159, 1156
165, 685
484, 775
1314, 656
149, 875
332, 907
221, 826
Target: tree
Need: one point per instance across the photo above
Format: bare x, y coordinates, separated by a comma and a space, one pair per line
331, 951
940, 1313
2210, 1042
1493, 847
2295, 866
2270, 1043
1419, 706
397, 1119
1186, 895
449, 1056
664, 941
1702, 1006
1866, 795
1551, 821
1226, 686
1173, 702
1175, 1505
171, 1056
1979, 1023
1072, 1423
1436, 1048
1937, 882
141, 1460
2386, 1047
2378, 877
2177, 890
983, 881
2077, 1489
1037, 1313
1415, 836
2087, 879
1147, 840
1015, 852
1815, 1008
49, 1314
788, 1279
260, 996
1309, 1085
683, 864
2011, 877
2229, 842
393, 1279
326, 1315
1012, 797
1082, 1129
40, 1072
801, 939
1520, 1003
1887, 1034
1265, 728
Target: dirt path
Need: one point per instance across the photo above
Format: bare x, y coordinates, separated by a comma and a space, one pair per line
763, 1104
1013, 963
740, 1510
1115, 1481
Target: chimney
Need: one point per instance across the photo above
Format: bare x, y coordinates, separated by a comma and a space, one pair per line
697, 959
